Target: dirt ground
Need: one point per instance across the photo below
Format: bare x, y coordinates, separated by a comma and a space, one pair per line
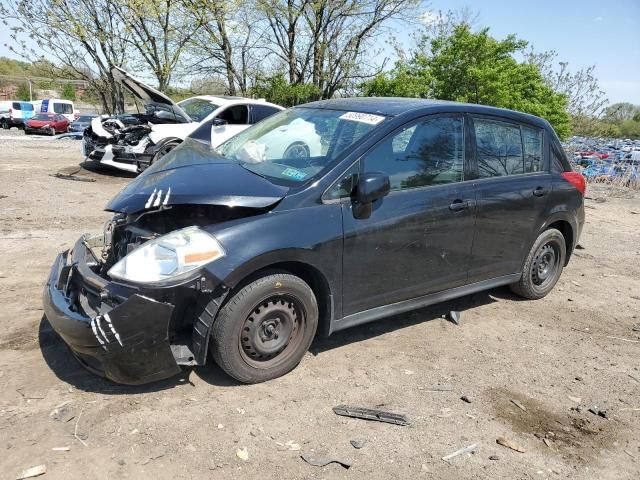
576, 347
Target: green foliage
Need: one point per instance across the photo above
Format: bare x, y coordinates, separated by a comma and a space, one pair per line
277, 90
23, 92
473, 67
68, 92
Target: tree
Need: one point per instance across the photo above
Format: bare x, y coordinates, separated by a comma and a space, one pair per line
229, 43
277, 89
68, 92
466, 66
329, 43
23, 92
584, 95
619, 112
159, 30
84, 38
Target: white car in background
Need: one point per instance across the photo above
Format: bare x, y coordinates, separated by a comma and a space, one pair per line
133, 142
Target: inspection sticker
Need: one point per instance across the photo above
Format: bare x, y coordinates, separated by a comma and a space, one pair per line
294, 173
362, 117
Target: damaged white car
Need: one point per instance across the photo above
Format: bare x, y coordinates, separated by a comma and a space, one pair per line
132, 142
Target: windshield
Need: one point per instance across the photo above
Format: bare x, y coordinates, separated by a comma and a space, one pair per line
85, 118
197, 108
298, 143
44, 116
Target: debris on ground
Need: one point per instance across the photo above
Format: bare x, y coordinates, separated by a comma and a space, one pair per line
242, 454
33, 472
574, 399
494, 457
358, 444
437, 388
462, 451
597, 411
370, 414
507, 442
519, 405
61, 449
323, 461
453, 316
77, 178
466, 398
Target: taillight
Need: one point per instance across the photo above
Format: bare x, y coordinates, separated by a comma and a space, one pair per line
576, 179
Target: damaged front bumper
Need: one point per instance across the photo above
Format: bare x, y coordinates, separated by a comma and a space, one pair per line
117, 331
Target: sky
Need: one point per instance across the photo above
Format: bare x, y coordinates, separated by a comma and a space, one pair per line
604, 33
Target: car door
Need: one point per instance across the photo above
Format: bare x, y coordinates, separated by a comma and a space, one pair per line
513, 189
417, 239
237, 120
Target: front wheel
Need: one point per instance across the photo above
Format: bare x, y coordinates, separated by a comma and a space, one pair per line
265, 328
543, 266
164, 149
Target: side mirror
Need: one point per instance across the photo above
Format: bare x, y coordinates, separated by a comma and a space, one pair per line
219, 122
372, 186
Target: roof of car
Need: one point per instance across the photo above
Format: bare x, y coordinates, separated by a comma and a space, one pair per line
225, 99
394, 106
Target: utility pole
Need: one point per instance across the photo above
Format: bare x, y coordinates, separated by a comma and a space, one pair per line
30, 90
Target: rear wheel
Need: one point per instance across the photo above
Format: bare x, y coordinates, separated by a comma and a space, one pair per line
264, 330
543, 265
5, 124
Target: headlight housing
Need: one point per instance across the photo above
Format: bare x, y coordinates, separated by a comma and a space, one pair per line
169, 257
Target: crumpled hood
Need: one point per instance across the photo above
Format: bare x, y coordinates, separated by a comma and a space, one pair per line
192, 174
147, 95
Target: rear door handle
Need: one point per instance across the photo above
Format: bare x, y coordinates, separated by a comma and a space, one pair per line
540, 191
458, 205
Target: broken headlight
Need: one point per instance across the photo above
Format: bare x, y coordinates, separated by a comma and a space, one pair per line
168, 257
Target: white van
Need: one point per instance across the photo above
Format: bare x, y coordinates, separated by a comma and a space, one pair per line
14, 113
56, 105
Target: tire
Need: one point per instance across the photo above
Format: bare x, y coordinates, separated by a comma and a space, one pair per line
166, 148
543, 266
245, 339
5, 124
297, 150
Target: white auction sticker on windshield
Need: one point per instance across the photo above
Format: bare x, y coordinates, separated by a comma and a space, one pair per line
362, 117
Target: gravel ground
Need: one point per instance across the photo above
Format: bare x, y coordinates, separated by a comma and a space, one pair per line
555, 357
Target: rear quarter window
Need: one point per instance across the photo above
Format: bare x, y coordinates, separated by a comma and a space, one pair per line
532, 145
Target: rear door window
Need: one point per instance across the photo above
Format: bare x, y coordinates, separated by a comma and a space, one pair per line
260, 112
498, 148
429, 152
16, 106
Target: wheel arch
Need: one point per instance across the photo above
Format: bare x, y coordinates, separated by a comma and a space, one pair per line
567, 232
309, 273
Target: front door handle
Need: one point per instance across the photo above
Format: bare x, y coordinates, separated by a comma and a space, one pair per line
458, 205
540, 191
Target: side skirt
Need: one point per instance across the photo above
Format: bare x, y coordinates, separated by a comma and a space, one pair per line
419, 302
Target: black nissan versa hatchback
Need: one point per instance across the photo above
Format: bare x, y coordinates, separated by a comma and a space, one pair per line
247, 251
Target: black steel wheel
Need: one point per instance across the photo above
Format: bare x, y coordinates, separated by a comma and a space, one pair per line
543, 265
265, 328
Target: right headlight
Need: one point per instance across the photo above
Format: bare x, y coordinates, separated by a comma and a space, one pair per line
171, 256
